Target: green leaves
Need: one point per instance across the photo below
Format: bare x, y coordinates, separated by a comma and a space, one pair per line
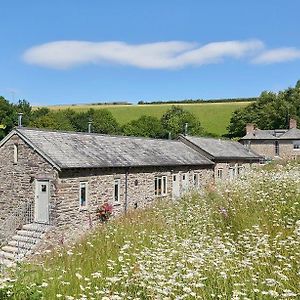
270, 111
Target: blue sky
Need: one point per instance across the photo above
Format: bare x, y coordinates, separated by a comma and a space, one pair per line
60, 52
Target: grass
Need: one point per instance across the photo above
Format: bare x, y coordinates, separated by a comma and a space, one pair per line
240, 240
213, 116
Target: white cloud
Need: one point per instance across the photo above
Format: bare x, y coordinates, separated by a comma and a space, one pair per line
161, 55
277, 56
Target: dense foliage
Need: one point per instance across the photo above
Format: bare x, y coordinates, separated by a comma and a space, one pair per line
240, 240
103, 121
271, 110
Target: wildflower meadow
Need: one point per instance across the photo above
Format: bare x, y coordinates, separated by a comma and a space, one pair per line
238, 240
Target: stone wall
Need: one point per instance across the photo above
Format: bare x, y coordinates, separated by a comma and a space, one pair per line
267, 149
238, 168
17, 180
140, 190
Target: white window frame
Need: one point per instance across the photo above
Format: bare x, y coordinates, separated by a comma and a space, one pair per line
296, 145
117, 182
16, 153
82, 184
163, 191
220, 173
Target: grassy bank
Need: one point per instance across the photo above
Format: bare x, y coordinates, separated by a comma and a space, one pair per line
238, 241
213, 116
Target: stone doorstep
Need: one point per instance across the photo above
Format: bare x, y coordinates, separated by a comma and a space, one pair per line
25, 239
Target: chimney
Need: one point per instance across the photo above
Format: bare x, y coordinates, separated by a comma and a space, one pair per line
20, 119
250, 127
89, 126
186, 128
293, 123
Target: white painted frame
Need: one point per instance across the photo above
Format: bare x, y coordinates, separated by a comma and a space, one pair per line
86, 194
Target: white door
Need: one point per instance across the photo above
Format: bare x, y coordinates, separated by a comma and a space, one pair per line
41, 214
185, 182
175, 186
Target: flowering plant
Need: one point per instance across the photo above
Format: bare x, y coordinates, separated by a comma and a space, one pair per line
104, 212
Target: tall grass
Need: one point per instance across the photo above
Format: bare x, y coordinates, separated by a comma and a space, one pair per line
239, 241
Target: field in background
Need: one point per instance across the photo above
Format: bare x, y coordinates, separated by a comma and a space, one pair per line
214, 117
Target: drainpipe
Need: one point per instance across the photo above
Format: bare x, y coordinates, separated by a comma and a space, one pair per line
126, 189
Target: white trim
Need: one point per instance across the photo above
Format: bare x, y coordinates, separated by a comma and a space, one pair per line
164, 185
16, 153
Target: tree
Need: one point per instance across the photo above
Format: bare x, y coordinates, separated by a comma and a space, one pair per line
57, 120
270, 111
103, 121
174, 121
146, 126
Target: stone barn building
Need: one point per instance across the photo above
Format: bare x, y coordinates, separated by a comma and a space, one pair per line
59, 179
274, 144
231, 158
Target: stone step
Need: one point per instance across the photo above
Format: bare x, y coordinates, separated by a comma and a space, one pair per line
10, 249
6, 263
21, 244
29, 233
42, 228
7, 255
25, 239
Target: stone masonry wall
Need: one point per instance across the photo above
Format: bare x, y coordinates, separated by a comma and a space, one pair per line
239, 168
140, 191
17, 180
267, 149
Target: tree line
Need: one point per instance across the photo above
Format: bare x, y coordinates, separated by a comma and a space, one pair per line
270, 111
171, 124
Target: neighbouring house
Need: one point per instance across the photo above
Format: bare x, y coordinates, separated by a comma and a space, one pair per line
276, 143
60, 179
231, 158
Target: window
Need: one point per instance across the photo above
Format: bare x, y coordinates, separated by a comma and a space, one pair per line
83, 194
296, 145
117, 183
276, 148
240, 169
196, 179
220, 173
160, 185
16, 153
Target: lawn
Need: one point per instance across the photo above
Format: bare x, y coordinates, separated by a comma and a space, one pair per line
213, 116
239, 240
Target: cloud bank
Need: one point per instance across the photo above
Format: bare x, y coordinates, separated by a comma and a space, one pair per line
160, 55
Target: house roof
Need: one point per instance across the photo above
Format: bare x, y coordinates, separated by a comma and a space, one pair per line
277, 134
222, 149
292, 134
259, 135
89, 150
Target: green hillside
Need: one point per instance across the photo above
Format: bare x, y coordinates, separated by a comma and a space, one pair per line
238, 241
213, 116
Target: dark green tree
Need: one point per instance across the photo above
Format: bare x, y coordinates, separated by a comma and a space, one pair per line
174, 121
103, 121
270, 111
146, 126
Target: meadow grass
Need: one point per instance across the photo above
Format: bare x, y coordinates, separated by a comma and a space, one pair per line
214, 117
239, 240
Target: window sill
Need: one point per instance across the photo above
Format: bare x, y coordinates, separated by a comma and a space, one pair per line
83, 209
117, 204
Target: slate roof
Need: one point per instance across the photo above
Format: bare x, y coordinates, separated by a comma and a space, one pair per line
84, 150
277, 134
259, 135
222, 149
